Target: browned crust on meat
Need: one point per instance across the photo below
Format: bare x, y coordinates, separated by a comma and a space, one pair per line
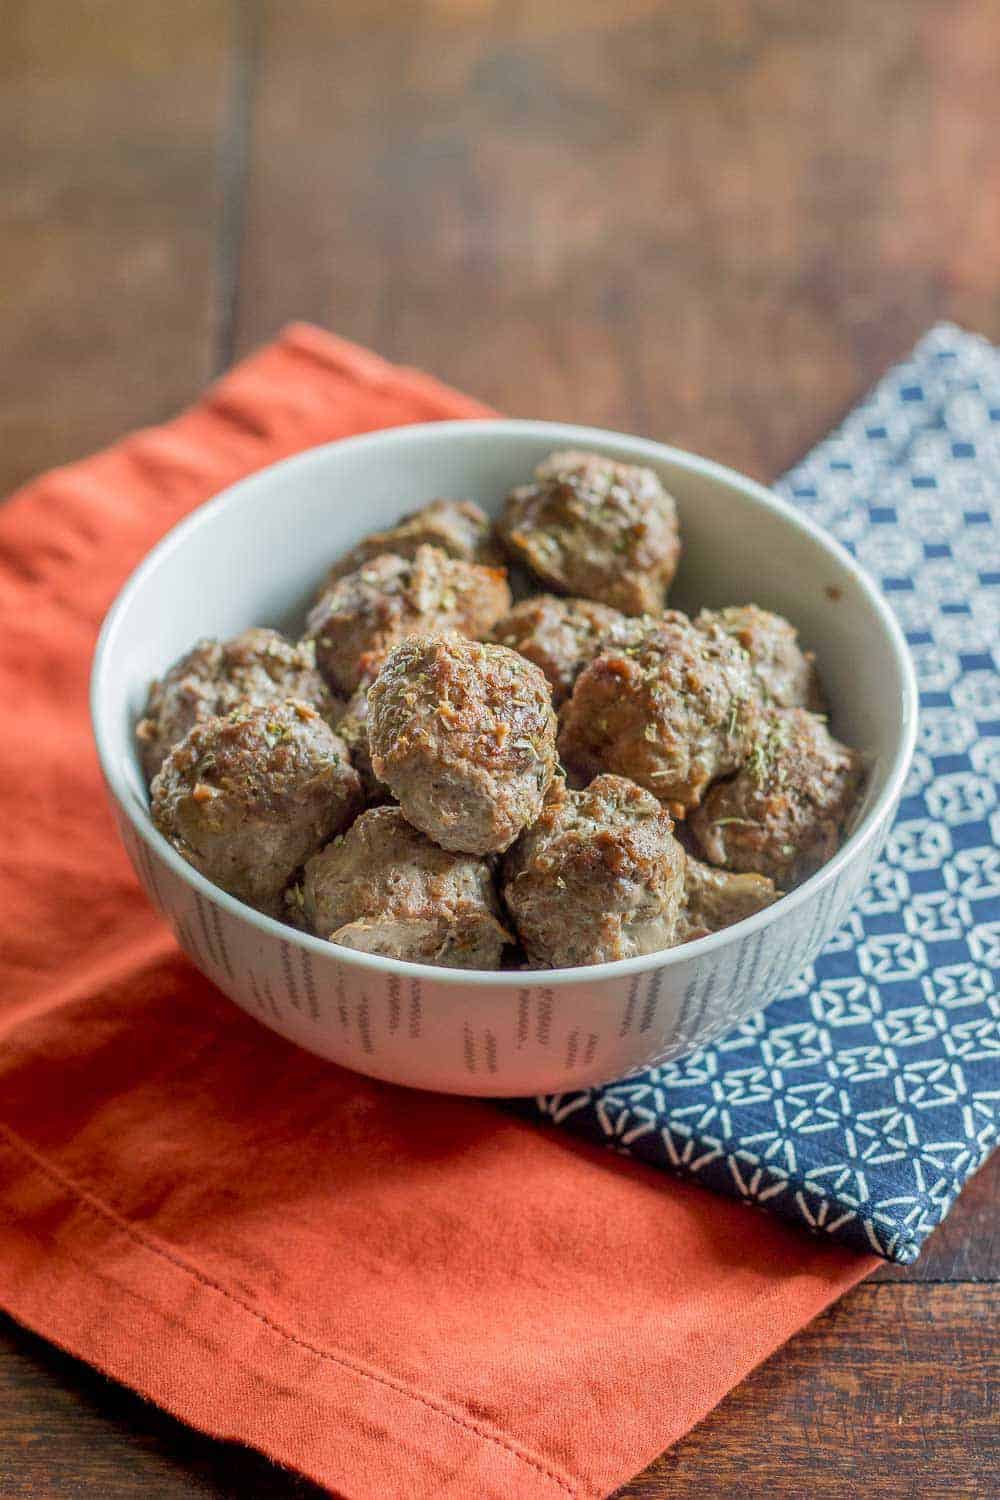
786, 674
362, 615
214, 677
383, 887
247, 798
597, 878
595, 528
464, 736
783, 814
561, 636
672, 708
458, 527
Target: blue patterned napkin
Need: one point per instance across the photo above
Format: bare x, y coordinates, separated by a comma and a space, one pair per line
862, 1099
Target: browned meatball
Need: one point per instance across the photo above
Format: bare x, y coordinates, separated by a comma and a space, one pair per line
786, 674
258, 666
600, 876
365, 613
249, 797
464, 736
593, 527
457, 527
782, 814
714, 899
559, 635
383, 887
672, 708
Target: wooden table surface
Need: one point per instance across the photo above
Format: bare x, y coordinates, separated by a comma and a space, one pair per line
711, 221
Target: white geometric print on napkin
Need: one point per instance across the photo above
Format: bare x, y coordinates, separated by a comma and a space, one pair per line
862, 1099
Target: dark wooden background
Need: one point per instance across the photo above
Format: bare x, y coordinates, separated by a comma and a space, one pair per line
711, 221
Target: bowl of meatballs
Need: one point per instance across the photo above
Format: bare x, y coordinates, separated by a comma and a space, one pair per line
501, 757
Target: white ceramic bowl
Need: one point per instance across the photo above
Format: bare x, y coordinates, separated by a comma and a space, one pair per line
254, 555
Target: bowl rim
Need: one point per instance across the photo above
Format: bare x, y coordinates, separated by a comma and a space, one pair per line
561, 434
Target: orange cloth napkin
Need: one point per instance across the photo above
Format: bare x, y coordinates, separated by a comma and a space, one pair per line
397, 1294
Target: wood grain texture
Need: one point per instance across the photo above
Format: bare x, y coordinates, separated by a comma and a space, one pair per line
891, 1393
712, 221
109, 124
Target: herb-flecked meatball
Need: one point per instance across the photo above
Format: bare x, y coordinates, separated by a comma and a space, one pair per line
364, 614
463, 734
457, 527
559, 635
598, 877
671, 707
248, 798
786, 674
384, 887
259, 666
596, 528
714, 899
782, 814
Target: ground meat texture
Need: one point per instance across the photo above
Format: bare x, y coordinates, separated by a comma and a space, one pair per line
672, 708
383, 887
259, 666
464, 736
714, 899
456, 527
782, 814
596, 528
353, 730
559, 635
246, 799
364, 614
599, 877
786, 674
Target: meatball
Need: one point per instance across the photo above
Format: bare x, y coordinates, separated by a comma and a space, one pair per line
671, 707
384, 887
593, 527
456, 527
559, 635
464, 736
364, 614
786, 674
714, 899
782, 814
259, 666
600, 876
248, 798
353, 730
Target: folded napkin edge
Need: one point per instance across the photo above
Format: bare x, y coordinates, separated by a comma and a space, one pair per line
27, 1297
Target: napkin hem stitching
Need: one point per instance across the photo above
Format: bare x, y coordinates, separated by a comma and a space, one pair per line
104, 1210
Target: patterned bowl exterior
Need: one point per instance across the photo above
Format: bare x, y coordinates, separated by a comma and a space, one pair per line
493, 1034
505, 1040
